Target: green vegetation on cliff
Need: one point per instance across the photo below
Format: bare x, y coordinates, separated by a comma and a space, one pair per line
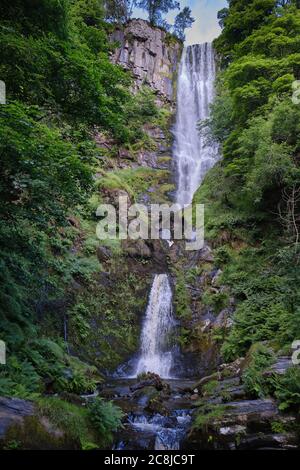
252, 195
57, 297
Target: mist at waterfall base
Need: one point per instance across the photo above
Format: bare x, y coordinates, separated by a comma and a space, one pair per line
193, 155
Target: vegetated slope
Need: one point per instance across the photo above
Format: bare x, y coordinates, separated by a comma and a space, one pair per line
252, 196
64, 99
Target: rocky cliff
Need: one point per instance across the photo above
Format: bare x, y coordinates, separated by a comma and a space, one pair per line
150, 53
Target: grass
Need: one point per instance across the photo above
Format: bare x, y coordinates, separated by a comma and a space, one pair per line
135, 181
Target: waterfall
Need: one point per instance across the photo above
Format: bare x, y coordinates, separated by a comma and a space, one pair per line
193, 155
156, 353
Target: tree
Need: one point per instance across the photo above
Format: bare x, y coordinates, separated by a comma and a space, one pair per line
119, 11
183, 21
155, 8
222, 15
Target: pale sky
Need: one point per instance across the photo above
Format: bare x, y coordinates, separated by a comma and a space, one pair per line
206, 26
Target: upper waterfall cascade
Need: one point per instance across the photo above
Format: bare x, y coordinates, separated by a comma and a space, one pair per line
193, 155
156, 354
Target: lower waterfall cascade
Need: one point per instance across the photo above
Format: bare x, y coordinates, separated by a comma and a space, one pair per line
156, 354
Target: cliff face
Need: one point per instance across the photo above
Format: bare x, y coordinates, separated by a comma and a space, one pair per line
148, 53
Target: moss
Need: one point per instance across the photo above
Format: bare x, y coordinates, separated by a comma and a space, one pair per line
182, 300
208, 415
104, 326
35, 434
164, 159
216, 300
135, 181
72, 420
210, 387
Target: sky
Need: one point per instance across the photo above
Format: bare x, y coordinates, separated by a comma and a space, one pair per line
206, 26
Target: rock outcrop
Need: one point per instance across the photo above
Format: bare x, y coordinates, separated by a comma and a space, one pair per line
23, 427
229, 418
150, 54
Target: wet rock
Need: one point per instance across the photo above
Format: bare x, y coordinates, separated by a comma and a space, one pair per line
125, 154
103, 254
250, 410
13, 411
103, 141
282, 364
136, 249
144, 50
21, 423
150, 379
206, 255
237, 425
224, 319
112, 196
233, 368
144, 395
134, 439
288, 441
198, 385
216, 277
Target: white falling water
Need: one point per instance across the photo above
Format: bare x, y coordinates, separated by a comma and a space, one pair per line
156, 354
193, 155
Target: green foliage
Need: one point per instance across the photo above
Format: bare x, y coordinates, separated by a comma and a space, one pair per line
251, 196
208, 414
62, 87
240, 20
268, 301
42, 362
209, 388
70, 75
258, 360
155, 8
118, 11
42, 176
182, 298
106, 418
287, 389
183, 21
216, 300
91, 426
33, 16
134, 181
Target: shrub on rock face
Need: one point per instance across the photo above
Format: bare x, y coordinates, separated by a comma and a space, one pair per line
258, 359
287, 389
106, 418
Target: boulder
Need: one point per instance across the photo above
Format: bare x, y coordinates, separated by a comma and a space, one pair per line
22, 427
103, 254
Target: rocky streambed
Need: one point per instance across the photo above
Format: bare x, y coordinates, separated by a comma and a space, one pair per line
214, 413
157, 413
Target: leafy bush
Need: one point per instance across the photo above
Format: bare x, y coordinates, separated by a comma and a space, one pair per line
287, 389
106, 418
216, 300
259, 358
